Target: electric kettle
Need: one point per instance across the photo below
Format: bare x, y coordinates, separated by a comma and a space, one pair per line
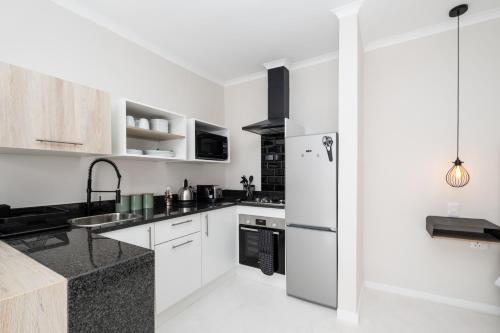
186, 193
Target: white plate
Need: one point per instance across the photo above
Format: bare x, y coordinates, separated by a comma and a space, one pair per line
164, 153
134, 151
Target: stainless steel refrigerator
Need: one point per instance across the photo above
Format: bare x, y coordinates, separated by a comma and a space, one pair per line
311, 218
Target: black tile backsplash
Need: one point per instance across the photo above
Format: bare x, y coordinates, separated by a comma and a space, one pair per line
273, 163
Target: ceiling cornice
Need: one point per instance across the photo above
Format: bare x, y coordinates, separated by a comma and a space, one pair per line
246, 78
293, 66
283, 62
315, 60
349, 9
129, 35
450, 24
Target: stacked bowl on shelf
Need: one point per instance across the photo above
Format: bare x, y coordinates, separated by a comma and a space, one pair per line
158, 125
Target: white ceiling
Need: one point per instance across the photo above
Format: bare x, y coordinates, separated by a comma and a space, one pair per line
226, 39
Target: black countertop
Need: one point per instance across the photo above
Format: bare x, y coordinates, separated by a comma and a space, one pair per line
74, 251
164, 213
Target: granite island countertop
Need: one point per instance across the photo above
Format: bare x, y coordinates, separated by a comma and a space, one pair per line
105, 278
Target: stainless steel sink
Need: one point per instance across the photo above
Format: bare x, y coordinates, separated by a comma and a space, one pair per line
103, 220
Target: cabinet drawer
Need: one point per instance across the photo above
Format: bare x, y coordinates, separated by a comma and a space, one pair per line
178, 270
141, 235
175, 228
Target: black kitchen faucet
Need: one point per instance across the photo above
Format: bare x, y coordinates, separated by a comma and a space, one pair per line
89, 182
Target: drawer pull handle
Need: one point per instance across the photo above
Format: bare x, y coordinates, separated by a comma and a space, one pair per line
65, 142
182, 244
150, 238
179, 223
206, 219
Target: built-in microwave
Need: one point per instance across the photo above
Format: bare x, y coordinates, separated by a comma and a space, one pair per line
211, 146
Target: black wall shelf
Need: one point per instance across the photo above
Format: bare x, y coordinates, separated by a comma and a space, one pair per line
463, 228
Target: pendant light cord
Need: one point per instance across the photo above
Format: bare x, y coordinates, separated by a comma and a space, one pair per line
458, 82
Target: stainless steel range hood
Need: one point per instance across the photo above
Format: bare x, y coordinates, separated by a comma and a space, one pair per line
277, 103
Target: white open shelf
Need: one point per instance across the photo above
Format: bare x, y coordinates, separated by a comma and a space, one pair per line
195, 124
135, 138
180, 137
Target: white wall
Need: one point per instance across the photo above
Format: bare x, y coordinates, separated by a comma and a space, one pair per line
244, 104
408, 145
41, 36
348, 228
313, 104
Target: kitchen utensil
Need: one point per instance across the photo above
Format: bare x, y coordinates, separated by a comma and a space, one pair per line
159, 125
250, 188
147, 200
135, 202
328, 142
4, 211
124, 205
168, 197
143, 123
134, 151
130, 121
186, 193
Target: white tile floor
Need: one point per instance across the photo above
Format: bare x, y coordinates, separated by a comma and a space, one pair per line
250, 303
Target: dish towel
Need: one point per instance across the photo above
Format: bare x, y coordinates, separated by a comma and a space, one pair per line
266, 251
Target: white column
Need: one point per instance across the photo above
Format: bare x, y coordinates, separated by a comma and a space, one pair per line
349, 255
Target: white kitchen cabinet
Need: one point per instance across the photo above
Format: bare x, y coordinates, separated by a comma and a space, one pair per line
141, 235
218, 242
196, 125
44, 113
177, 270
176, 227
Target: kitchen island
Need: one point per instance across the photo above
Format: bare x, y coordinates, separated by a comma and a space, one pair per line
110, 284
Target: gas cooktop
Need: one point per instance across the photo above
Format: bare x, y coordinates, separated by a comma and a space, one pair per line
265, 202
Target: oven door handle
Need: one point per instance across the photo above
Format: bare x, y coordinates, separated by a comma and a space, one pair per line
255, 230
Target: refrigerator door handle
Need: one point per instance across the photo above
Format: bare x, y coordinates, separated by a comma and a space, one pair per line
310, 227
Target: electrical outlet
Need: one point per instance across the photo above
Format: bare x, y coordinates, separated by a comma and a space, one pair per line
479, 246
453, 208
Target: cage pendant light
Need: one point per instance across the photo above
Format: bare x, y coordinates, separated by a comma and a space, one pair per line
457, 176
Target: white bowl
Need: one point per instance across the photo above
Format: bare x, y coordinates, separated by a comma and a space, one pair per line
142, 123
163, 153
159, 125
130, 121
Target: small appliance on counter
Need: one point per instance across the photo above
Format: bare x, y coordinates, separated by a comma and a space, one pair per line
186, 193
210, 193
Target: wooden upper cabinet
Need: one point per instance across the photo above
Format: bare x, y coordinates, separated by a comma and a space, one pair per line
41, 112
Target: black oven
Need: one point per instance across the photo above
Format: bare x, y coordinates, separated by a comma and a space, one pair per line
249, 227
211, 146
